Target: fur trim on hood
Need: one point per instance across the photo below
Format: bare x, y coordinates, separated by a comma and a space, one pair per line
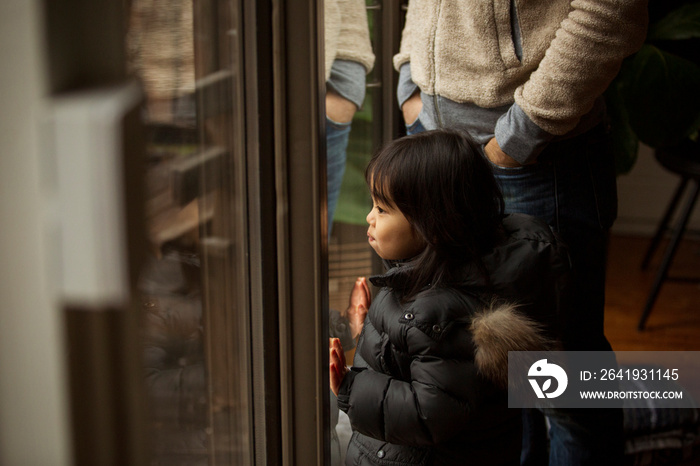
499, 329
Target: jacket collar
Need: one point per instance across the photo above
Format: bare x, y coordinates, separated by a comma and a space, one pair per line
396, 275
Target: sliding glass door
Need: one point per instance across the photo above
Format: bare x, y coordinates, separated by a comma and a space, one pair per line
180, 195
234, 291
195, 311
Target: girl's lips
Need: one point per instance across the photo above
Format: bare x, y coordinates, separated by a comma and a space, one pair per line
370, 238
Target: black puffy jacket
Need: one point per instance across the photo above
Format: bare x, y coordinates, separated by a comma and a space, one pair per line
429, 385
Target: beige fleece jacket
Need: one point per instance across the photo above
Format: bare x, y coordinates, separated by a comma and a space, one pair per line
347, 33
463, 50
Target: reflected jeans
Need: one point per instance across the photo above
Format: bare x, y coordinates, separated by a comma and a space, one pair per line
337, 136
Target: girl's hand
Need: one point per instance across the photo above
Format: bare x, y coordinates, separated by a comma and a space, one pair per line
338, 369
360, 299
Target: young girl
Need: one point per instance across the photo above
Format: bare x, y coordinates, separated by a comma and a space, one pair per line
429, 380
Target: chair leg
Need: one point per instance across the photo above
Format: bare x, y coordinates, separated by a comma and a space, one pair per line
663, 225
670, 252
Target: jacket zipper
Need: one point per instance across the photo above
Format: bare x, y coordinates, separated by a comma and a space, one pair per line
434, 66
438, 117
515, 31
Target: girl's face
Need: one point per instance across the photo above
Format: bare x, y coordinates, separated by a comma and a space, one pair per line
390, 234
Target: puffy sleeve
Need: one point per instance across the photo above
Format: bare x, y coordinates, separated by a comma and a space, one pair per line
412, 18
426, 406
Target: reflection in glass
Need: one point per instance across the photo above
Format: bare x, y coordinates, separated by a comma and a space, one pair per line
194, 324
349, 253
349, 59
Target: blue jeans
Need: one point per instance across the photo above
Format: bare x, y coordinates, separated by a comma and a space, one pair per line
586, 436
573, 188
415, 127
337, 136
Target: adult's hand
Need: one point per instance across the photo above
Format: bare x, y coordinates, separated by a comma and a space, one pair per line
411, 108
338, 108
498, 157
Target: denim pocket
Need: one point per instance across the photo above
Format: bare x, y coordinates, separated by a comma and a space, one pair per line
520, 169
499, 170
337, 125
528, 189
415, 127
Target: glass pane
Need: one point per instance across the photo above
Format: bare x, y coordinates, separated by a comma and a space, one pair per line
349, 254
195, 312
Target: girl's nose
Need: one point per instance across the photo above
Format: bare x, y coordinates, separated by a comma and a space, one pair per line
370, 216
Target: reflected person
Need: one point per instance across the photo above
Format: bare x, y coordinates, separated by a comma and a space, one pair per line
348, 59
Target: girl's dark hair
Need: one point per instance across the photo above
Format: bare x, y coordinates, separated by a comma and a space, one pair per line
446, 190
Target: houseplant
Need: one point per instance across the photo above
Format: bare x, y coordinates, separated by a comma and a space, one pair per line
655, 98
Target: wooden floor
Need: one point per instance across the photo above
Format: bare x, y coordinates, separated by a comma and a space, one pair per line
674, 322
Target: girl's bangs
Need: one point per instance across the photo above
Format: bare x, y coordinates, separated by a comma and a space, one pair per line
378, 182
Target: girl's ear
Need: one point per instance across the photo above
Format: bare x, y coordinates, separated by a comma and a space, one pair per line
420, 236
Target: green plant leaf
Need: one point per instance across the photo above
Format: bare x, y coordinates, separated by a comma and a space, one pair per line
355, 202
681, 23
661, 93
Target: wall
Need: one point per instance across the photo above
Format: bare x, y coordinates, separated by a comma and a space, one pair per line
33, 418
644, 194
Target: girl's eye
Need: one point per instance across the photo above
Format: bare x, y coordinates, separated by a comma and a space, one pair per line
380, 210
